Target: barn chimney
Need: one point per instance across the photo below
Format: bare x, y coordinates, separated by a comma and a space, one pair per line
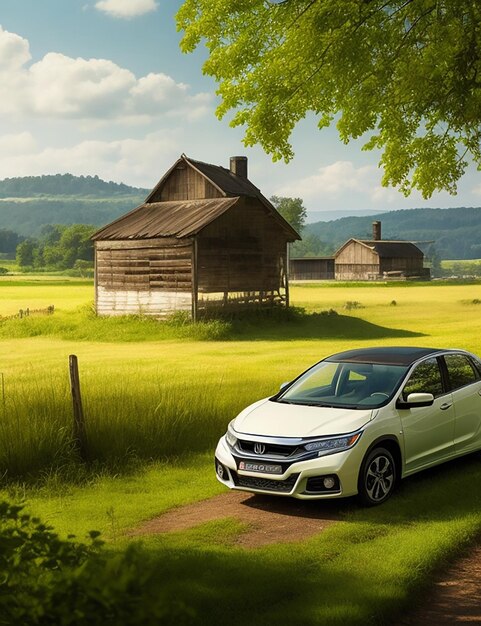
238, 165
376, 231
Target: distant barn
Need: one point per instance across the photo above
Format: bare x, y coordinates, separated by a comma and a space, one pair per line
360, 259
311, 268
204, 238
377, 258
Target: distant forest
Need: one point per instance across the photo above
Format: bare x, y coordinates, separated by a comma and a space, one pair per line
454, 233
64, 185
28, 205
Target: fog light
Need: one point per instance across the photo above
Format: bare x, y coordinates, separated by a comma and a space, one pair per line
220, 471
329, 482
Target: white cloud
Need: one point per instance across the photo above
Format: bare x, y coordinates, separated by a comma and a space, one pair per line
342, 185
79, 87
156, 92
59, 86
334, 180
134, 161
19, 144
14, 51
126, 8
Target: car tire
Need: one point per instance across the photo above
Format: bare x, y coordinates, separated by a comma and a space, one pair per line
377, 478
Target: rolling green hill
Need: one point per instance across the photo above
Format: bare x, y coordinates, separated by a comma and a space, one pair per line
456, 233
27, 204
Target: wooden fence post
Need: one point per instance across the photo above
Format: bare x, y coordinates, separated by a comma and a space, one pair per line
78, 415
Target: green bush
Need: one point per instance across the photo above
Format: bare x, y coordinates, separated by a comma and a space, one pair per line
45, 580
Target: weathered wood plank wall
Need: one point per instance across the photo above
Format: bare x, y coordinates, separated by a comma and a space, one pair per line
356, 262
143, 276
184, 183
410, 265
311, 269
244, 250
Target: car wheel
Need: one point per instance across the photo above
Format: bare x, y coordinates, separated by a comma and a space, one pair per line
377, 477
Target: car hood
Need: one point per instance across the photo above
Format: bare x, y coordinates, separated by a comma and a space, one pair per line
274, 419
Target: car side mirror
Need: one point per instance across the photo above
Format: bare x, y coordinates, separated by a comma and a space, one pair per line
415, 400
284, 385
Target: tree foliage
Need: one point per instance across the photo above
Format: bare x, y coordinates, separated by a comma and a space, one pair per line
9, 240
58, 247
405, 72
292, 210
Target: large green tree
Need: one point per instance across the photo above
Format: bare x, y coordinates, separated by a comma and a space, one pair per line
404, 73
292, 210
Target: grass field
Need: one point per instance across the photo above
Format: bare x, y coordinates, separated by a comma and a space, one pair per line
160, 390
157, 396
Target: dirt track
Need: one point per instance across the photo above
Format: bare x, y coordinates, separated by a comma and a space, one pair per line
270, 520
454, 599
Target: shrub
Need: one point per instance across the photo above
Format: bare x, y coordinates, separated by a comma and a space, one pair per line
353, 304
45, 580
329, 313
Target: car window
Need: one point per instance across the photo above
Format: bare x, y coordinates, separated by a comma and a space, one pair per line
426, 378
319, 379
353, 375
460, 370
477, 365
345, 384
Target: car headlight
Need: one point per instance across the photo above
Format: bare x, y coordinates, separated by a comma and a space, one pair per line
335, 444
230, 436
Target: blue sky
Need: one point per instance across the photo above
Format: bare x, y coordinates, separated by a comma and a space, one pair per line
101, 87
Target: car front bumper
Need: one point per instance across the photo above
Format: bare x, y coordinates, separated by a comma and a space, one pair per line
302, 479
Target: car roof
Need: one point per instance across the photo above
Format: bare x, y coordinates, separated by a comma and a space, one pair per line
386, 356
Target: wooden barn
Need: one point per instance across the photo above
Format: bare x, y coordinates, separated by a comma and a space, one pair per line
311, 268
376, 259
204, 238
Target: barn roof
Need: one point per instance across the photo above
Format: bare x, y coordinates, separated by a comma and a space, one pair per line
185, 218
182, 218
388, 249
394, 249
228, 183
226, 180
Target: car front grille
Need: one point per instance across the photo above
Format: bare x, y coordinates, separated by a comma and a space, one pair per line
271, 449
266, 484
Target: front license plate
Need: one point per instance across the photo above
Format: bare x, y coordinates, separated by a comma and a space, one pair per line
263, 468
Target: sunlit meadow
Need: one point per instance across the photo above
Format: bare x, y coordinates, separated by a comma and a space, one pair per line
156, 397
157, 390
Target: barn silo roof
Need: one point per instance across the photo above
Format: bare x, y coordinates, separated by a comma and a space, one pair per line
182, 218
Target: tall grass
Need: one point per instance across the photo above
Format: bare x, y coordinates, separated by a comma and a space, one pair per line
131, 414
161, 390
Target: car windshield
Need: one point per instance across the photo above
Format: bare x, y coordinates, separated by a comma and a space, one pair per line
345, 385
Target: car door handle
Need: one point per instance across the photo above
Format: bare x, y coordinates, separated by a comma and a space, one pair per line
445, 406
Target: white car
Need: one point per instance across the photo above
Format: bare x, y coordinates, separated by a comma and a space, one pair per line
356, 423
